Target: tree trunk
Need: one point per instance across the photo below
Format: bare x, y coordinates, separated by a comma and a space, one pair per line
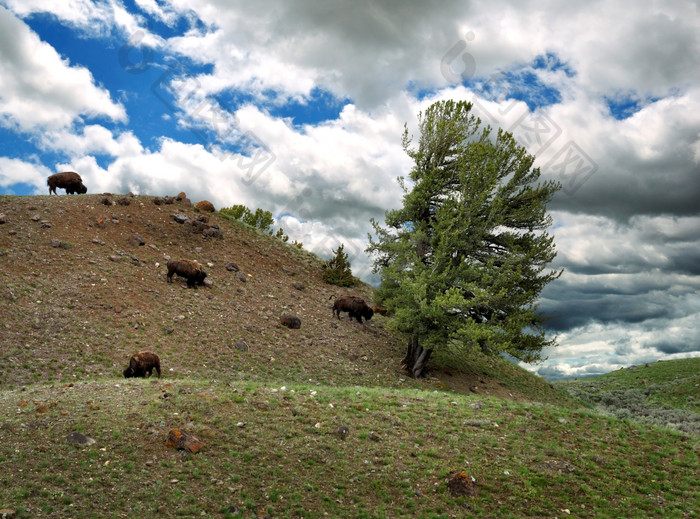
416, 359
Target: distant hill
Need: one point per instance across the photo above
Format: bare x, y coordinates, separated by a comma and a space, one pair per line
664, 393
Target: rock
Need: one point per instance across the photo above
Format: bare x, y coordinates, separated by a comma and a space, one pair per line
186, 202
242, 277
114, 257
290, 321
212, 233
123, 201
461, 484
36, 218
203, 218
3, 218
107, 201
374, 436
298, 286
58, 244
168, 200
181, 196
232, 267
137, 240
241, 346
7, 513
180, 218
342, 432
183, 441
158, 200
205, 206
79, 439
45, 224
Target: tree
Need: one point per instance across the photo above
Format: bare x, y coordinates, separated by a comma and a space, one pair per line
337, 269
463, 261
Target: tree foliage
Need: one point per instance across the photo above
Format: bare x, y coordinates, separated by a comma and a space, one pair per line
337, 270
463, 261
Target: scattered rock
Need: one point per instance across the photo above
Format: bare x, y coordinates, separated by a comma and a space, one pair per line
298, 286
202, 218
342, 432
168, 200
36, 218
183, 441
180, 218
137, 240
58, 244
12, 232
290, 321
242, 277
107, 201
181, 196
114, 257
212, 232
186, 202
461, 484
79, 439
3, 219
241, 346
374, 436
45, 224
158, 200
232, 267
205, 206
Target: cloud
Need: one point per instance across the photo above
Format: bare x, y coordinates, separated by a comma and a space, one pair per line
41, 89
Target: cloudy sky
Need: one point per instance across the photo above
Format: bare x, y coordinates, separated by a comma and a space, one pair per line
298, 107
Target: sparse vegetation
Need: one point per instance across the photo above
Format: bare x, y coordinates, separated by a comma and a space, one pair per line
267, 401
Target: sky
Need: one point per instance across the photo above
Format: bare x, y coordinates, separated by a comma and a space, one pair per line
298, 107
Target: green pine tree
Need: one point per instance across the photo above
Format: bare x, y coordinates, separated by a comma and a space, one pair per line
337, 269
463, 261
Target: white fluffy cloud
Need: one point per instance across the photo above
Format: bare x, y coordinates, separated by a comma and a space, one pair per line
40, 88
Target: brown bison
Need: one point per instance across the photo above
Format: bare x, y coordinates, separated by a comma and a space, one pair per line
355, 306
68, 180
142, 364
189, 269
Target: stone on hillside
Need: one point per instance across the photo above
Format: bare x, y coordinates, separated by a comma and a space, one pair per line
181, 195
45, 224
79, 439
3, 218
123, 201
298, 286
461, 484
158, 200
205, 206
58, 244
212, 232
183, 441
232, 267
203, 218
242, 277
290, 321
36, 218
137, 240
180, 218
186, 202
168, 200
107, 201
241, 346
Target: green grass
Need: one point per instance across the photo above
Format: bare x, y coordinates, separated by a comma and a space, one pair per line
275, 451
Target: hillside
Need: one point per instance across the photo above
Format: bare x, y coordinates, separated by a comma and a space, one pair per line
663, 393
315, 422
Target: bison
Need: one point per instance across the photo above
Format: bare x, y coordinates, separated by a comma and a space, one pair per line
68, 180
355, 306
142, 364
189, 269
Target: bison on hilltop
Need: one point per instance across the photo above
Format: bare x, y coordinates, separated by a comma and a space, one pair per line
188, 269
354, 306
68, 180
142, 364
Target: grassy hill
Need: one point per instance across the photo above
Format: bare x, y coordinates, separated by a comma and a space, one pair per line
664, 393
84, 288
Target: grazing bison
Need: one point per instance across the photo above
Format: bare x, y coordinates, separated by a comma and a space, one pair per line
189, 269
68, 180
142, 364
355, 306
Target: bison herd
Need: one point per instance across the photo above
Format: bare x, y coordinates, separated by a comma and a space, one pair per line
143, 363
